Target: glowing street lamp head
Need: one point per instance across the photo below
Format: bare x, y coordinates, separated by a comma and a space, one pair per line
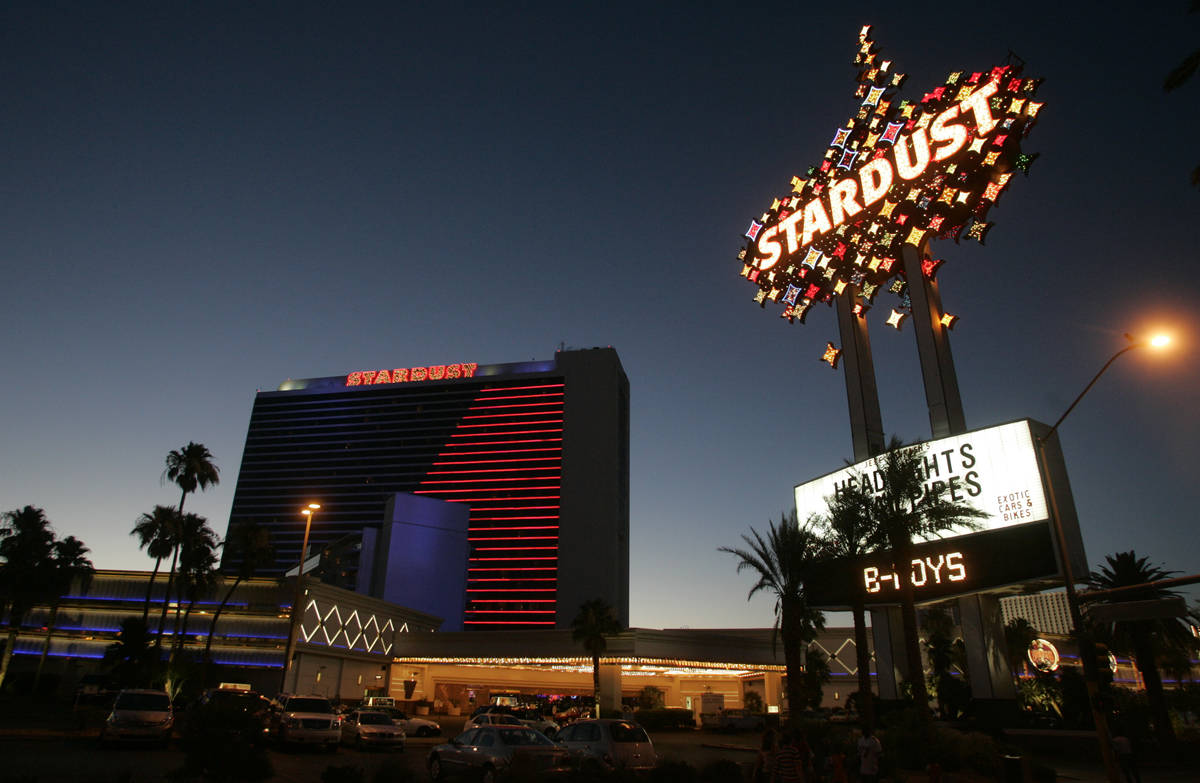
1160, 340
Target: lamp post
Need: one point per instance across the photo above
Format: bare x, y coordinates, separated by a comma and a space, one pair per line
297, 611
1087, 651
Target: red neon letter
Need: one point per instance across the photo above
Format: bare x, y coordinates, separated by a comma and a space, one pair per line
454, 371
419, 373
383, 376
469, 370
399, 376
437, 372
354, 379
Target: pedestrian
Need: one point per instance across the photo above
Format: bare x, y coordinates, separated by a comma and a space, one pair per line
790, 761
1123, 748
869, 751
764, 764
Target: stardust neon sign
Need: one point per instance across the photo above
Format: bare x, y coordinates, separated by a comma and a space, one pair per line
435, 372
908, 158
897, 173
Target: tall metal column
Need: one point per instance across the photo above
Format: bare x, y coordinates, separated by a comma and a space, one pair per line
862, 395
983, 636
933, 347
866, 433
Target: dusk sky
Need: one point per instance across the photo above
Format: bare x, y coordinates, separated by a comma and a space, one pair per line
201, 200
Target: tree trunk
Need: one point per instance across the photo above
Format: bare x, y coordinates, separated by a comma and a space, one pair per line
37, 677
862, 655
793, 652
162, 616
596, 682
13, 630
150, 592
912, 645
1155, 698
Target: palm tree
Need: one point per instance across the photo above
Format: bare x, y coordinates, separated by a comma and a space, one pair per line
190, 468
251, 546
1019, 633
905, 510
68, 564
595, 621
1147, 640
156, 534
197, 569
132, 655
846, 533
783, 561
27, 552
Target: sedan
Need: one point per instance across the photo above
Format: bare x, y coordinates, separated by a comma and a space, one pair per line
371, 729
499, 752
608, 744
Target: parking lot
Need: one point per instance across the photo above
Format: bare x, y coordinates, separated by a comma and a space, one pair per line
41, 756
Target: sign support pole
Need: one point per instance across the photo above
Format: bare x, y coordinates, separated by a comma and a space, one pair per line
987, 659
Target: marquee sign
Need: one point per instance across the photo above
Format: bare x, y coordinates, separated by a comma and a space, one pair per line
993, 469
899, 172
998, 471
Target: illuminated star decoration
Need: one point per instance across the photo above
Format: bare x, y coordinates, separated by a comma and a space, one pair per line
948, 320
896, 319
854, 245
831, 355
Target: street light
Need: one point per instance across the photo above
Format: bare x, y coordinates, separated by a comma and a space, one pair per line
294, 626
1087, 651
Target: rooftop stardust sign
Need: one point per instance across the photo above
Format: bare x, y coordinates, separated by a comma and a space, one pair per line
898, 172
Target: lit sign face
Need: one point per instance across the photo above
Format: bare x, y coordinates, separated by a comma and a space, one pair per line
436, 372
938, 570
899, 172
994, 469
1043, 655
943, 568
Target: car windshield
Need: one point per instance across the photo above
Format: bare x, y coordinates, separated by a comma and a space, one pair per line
627, 732
501, 719
374, 719
522, 737
149, 702
308, 705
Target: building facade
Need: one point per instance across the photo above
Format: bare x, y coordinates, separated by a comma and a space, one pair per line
538, 451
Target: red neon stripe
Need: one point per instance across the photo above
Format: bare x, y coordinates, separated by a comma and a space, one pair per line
512, 590
508, 622
496, 461
514, 432
520, 388
517, 538
512, 600
532, 527
479, 579
494, 470
511, 405
502, 559
510, 519
514, 415
503, 442
512, 508
530, 568
476, 489
510, 611
472, 481
524, 396
519, 549
526, 423
500, 451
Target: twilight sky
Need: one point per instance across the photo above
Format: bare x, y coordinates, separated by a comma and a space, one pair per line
201, 200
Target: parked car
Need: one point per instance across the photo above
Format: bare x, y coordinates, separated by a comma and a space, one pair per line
534, 720
498, 752
139, 715
230, 712
413, 727
608, 744
307, 720
372, 729
739, 720
492, 719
